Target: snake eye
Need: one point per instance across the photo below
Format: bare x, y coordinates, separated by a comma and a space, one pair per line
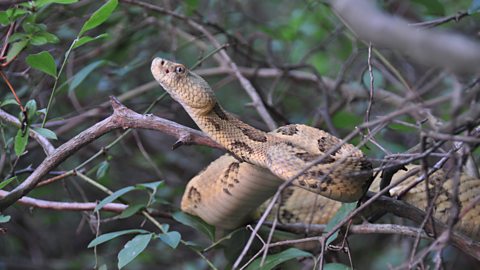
180, 70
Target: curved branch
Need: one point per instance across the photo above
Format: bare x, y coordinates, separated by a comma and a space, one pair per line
78, 206
403, 209
122, 117
367, 228
430, 47
70, 206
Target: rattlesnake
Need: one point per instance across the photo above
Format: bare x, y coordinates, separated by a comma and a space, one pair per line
318, 164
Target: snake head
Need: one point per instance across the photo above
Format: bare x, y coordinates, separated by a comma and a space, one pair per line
184, 86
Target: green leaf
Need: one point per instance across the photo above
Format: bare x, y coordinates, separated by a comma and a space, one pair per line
4, 219
6, 182
171, 238
15, 49
346, 120
133, 248
39, 37
43, 61
51, 38
340, 215
474, 7
38, 41
195, 223
113, 197
378, 80
31, 27
41, 111
47, 133
109, 236
41, 3
103, 169
83, 73
335, 266
17, 37
131, 210
31, 109
10, 101
21, 142
4, 20
86, 39
273, 260
152, 185
15, 13
99, 16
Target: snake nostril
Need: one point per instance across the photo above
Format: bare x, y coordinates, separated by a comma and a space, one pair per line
162, 62
166, 71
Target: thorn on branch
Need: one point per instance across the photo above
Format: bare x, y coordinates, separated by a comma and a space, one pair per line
184, 139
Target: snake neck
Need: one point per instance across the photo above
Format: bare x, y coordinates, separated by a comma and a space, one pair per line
233, 134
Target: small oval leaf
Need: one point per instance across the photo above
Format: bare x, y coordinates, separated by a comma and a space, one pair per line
195, 223
43, 61
31, 109
113, 197
8, 102
21, 141
103, 169
4, 219
133, 248
47, 133
131, 210
171, 238
15, 49
109, 236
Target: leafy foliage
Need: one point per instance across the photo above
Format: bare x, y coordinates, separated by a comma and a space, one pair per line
91, 50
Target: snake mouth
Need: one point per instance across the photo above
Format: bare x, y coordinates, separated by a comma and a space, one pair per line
156, 68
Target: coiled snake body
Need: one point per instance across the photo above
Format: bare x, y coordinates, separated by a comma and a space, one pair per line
234, 185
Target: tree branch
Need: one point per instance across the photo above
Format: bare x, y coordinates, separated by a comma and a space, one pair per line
426, 46
122, 117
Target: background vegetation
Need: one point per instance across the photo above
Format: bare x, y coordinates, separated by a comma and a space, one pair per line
64, 58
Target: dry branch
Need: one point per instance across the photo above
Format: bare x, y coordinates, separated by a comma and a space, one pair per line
122, 117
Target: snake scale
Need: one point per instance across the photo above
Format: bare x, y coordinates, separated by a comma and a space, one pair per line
323, 171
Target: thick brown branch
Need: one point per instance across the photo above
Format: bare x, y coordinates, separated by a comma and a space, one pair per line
368, 228
402, 209
122, 117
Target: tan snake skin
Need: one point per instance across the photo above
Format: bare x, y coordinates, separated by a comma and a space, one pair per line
232, 187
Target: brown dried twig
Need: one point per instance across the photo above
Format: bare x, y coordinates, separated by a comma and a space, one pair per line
122, 117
